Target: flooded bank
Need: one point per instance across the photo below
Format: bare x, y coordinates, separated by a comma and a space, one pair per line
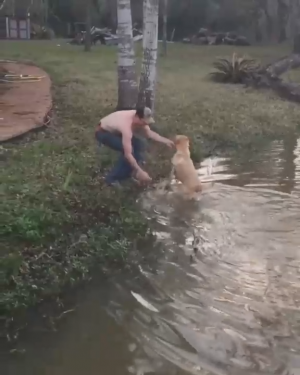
218, 294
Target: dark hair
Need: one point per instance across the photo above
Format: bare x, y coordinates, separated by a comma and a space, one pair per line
140, 112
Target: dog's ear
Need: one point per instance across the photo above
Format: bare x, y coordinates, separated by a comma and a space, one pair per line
181, 140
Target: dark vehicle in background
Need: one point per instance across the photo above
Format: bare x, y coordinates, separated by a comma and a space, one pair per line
103, 36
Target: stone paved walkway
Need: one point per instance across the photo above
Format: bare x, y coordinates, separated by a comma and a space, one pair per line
23, 105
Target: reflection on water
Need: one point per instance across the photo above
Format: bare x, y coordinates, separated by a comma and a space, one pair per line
235, 304
219, 295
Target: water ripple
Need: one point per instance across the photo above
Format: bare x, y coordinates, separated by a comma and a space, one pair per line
234, 296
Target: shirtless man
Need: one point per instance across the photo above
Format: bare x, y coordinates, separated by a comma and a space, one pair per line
118, 131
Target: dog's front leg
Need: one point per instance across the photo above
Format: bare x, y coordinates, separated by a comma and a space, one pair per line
170, 179
172, 174
187, 193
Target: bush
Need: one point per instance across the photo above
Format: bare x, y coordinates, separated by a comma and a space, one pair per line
41, 32
234, 70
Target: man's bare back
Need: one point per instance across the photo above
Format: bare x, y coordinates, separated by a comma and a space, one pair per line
118, 122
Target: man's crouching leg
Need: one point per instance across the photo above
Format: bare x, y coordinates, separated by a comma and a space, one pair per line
123, 170
120, 172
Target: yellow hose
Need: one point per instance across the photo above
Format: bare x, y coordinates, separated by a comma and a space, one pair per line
11, 78
21, 80
21, 76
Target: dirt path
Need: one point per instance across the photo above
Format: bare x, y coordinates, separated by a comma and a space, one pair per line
23, 105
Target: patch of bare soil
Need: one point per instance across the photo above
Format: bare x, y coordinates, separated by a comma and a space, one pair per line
2, 69
23, 104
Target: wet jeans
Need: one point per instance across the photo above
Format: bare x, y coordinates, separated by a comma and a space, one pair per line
122, 170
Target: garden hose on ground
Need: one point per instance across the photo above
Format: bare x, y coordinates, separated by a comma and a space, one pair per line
10, 78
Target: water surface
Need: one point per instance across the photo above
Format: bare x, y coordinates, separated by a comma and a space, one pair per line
218, 294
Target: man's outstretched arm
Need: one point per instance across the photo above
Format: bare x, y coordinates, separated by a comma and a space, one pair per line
158, 138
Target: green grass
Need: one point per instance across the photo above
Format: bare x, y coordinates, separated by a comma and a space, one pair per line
57, 218
292, 76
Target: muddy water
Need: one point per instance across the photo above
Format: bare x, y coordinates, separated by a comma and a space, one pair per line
218, 294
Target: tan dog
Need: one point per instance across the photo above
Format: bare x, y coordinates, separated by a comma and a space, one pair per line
184, 168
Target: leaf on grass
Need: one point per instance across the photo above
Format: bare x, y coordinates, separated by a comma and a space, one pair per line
143, 302
67, 180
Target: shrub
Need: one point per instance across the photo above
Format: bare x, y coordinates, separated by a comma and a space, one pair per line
41, 32
234, 70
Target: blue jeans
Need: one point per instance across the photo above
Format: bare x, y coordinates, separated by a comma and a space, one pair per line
122, 170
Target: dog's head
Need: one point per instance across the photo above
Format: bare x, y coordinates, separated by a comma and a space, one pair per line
182, 142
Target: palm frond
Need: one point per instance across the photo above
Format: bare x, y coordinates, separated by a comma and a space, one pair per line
234, 69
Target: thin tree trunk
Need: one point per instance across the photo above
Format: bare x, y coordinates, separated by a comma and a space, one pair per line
13, 8
262, 26
111, 6
289, 20
2, 4
165, 27
296, 44
150, 41
88, 25
273, 20
295, 24
46, 12
127, 79
173, 34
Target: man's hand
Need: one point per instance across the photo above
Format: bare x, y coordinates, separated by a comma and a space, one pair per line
169, 143
143, 176
158, 138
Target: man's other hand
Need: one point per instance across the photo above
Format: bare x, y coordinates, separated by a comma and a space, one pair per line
143, 176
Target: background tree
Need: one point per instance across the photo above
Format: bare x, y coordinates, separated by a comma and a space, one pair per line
295, 24
127, 79
88, 24
150, 41
268, 21
165, 27
2, 4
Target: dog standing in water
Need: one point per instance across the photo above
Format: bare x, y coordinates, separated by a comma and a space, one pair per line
184, 169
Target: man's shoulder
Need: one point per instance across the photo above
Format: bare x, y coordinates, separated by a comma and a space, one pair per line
126, 113
121, 114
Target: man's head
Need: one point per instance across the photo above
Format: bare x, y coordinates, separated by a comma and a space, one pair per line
143, 116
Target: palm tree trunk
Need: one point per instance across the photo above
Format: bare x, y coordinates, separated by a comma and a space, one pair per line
165, 27
88, 25
127, 79
150, 41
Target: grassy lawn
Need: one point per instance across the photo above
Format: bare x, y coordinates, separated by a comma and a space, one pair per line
292, 76
57, 218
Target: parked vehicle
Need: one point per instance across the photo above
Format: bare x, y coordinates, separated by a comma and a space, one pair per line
103, 36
